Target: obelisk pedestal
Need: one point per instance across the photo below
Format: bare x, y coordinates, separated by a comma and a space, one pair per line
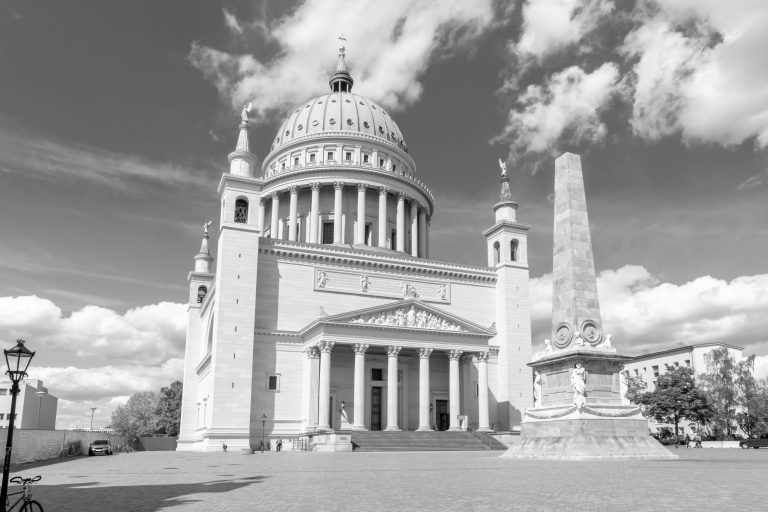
579, 411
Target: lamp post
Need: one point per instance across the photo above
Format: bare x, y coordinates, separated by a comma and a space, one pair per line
93, 410
39, 406
17, 359
263, 427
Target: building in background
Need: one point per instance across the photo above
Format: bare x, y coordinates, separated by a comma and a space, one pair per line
35, 406
650, 366
327, 309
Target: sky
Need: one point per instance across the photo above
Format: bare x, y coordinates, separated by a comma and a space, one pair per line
116, 119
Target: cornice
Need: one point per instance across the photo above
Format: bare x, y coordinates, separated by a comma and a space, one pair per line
506, 224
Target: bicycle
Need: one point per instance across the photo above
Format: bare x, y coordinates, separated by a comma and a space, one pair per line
30, 505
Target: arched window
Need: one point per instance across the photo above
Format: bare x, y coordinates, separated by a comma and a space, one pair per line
496, 253
241, 210
513, 249
201, 292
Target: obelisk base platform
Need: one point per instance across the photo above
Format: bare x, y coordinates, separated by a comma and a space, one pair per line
604, 428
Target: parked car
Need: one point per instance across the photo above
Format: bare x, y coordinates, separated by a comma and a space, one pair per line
760, 441
100, 447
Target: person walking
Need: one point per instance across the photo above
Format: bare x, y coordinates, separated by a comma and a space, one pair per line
279, 445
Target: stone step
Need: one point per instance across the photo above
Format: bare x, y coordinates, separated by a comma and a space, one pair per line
382, 441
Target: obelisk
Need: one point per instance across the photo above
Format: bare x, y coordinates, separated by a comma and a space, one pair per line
579, 412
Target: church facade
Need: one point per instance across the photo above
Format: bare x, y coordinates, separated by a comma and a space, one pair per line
324, 311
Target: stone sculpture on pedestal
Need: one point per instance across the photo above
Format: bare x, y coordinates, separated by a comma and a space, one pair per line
581, 412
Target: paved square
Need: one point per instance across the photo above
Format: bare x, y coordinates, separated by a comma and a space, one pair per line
703, 479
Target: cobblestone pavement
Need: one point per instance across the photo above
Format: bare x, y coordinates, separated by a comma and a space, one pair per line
703, 479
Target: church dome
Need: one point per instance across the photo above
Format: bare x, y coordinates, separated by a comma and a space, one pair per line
339, 113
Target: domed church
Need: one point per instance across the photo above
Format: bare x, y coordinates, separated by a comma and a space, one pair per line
324, 311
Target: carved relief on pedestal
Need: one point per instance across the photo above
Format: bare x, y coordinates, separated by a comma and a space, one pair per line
409, 317
591, 332
563, 335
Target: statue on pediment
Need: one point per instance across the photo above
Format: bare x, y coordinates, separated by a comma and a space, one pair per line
411, 317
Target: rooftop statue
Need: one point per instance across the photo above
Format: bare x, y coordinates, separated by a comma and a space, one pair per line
244, 113
503, 168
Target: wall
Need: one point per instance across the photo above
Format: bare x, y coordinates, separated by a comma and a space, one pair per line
39, 445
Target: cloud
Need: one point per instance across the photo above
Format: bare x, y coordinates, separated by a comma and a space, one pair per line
390, 46
645, 314
148, 334
565, 108
33, 155
231, 22
551, 25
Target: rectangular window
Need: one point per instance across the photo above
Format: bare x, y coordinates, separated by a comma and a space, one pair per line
376, 374
369, 234
330, 156
273, 383
282, 166
2, 416
637, 372
348, 156
327, 233
393, 239
394, 168
381, 162
477, 389
366, 158
655, 371
688, 363
312, 157
295, 161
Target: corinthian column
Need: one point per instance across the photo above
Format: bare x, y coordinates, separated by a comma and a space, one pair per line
453, 388
401, 222
482, 394
414, 229
314, 213
337, 224
275, 210
424, 423
313, 375
392, 353
324, 398
422, 233
383, 217
360, 235
292, 214
359, 392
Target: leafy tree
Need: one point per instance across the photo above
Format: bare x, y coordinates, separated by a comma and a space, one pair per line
636, 386
137, 417
676, 397
752, 398
168, 410
728, 386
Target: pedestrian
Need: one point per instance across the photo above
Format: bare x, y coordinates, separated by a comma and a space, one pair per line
224, 447
279, 445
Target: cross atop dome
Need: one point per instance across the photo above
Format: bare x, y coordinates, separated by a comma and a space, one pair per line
341, 80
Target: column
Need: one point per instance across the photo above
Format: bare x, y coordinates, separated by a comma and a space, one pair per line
314, 213
338, 187
426, 237
262, 214
422, 233
324, 393
360, 236
400, 222
383, 217
482, 395
414, 229
424, 420
359, 393
275, 209
453, 388
292, 214
392, 388
313, 358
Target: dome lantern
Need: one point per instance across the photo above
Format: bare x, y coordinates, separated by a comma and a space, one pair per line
341, 80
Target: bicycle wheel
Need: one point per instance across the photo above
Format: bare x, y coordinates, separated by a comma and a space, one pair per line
31, 506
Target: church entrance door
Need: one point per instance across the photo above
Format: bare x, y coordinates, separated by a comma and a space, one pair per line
441, 415
375, 407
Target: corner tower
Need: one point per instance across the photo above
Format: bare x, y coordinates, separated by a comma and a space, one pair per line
507, 244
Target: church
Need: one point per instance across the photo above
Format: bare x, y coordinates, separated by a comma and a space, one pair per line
324, 310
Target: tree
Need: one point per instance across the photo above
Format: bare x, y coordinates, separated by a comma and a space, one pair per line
168, 410
137, 417
675, 397
636, 386
752, 399
721, 387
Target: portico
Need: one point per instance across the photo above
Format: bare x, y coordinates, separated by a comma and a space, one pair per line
400, 362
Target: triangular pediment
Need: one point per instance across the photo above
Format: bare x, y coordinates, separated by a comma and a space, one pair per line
407, 314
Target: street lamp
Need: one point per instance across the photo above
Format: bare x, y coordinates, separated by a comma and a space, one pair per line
39, 406
93, 410
17, 359
263, 427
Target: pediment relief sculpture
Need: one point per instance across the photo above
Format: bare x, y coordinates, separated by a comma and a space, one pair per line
409, 317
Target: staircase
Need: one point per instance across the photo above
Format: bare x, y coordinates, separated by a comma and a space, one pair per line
376, 441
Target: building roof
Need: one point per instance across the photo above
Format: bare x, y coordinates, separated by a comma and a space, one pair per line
685, 348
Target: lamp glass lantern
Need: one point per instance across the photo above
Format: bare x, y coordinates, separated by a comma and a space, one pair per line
18, 359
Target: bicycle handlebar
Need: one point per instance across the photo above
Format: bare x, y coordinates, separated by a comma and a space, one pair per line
20, 480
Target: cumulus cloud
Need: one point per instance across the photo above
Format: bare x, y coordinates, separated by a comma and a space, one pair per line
566, 107
644, 313
551, 25
147, 334
390, 45
230, 20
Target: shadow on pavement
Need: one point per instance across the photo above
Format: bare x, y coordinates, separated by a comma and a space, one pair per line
94, 496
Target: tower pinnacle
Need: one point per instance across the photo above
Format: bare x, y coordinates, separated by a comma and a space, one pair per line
203, 259
341, 80
506, 194
241, 160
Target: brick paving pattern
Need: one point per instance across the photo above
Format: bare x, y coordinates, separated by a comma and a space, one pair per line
702, 480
